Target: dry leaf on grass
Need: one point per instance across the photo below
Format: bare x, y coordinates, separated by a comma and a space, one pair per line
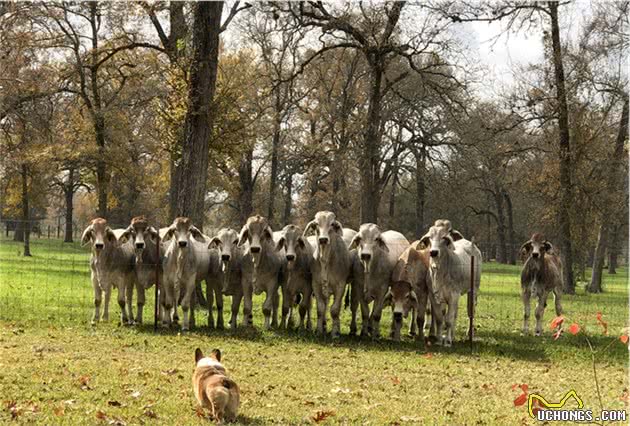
101, 415
150, 414
322, 415
59, 410
114, 403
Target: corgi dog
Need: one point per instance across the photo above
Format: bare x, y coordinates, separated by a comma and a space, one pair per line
213, 389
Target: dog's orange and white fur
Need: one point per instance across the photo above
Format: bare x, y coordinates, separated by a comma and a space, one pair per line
213, 389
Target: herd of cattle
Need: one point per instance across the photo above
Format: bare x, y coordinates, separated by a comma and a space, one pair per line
425, 277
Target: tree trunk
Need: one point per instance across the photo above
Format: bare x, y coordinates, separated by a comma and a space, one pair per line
18, 233
566, 188
370, 192
392, 198
420, 156
273, 176
246, 194
612, 261
25, 215
613, 182
193, 165
511, 236
173, 189
69, 195
498, 199
286, 217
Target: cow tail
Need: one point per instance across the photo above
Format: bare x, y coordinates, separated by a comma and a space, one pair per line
346, 299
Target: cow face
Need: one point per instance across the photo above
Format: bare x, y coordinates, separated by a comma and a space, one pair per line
139, 232
402, 299
367, 241
536, 247
438, 240
182, 230
226, 243
99, 234
293, 242
256, 232
324, 224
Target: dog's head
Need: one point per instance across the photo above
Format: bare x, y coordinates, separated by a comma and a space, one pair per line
213, 360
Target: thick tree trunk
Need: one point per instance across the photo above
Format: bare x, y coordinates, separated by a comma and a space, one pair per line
25, 215
18, 233
69, 195
613, 182
273, 176
246, 194
173, 188
370, 192
286, 217
420, 156
392, 198
193, 165
566, 188
612, 261
511, 237
498, 198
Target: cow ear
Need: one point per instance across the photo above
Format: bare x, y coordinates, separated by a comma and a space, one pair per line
456, 235
449, 242
280, 244
548, 246
198, 355
382, 244
302, 242
243, 237
216, 354
215, 243
526, 247
155, 236
388, 298
355, 242
196, 233
268, 232
87, 236
417, 245
426, 241
413, 296
308, 228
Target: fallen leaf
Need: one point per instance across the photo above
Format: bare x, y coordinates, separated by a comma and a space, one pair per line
114, 403
170, 372
340, 390
524, 387
522, 399
150, 413
59, 410
136, 394
428, 355
625, 397
395, 380
322, 415
574, 329
101, 415
624, 339
410, 419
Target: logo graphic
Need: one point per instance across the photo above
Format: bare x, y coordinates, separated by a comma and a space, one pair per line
545, 404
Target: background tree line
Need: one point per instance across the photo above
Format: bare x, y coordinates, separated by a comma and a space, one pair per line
375, 111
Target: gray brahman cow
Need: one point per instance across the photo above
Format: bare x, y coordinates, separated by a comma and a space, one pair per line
376, 255
186, 262
260, 269
144, 239
450, 261
297, 286
225, 275
541, 275
331, 268
111, 264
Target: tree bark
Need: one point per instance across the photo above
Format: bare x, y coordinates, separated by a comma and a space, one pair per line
25, 212
69, 195
511, 236
370, 192
498, 200
392, 198
420, 157
246, 194
613, 182
612, 261
275, 147
286, 217
193, 165
566, 188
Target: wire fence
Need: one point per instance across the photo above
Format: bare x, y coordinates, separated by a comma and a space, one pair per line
53, 286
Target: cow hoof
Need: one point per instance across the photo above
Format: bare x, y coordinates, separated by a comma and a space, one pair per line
93, 322
538, 333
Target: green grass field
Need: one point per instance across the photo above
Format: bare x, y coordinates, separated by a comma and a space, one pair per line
57, 369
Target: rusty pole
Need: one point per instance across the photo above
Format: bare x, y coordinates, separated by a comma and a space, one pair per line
157, 284
471, 302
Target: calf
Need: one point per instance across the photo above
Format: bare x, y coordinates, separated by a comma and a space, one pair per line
186, 261
298, 276
450, 261
376, 256
260, 269
541, 274
144, 240
410, 291
111, 263
225, 275
331, 268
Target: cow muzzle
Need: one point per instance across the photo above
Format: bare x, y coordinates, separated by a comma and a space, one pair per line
323, 241
535, 255
398, 316
290, 257
225, 257
255, 249
182, 244
434, 253
99, 246
139, 246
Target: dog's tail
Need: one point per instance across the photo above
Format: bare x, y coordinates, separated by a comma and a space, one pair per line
218, 398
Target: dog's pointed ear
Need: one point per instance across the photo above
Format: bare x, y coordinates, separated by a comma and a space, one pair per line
216, 354
198, 355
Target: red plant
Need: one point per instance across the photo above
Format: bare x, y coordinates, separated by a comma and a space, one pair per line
603, 323
556, 322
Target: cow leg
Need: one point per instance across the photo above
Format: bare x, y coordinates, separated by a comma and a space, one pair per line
267, 308
236, 305
209, 301
140, 302
421, 309
218, 294
354, 305
365, 315
557, 295
305, 309
451, 321
321, 314
377, 312
108, 294
275, 300
248, 319
413, 327
98, 295
526, 296
286, 307
335, 310
129, 301
437, 317
190, 287
540, 312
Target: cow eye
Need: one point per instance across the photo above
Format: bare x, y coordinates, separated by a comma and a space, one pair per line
235, 242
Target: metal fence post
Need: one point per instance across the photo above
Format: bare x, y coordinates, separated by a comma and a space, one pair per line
471, 302
157, 284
